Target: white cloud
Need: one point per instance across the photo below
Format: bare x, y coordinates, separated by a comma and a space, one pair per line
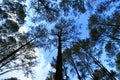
0, 1
41, 70
23, 29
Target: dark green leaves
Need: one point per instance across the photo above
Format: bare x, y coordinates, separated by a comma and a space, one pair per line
103, 6
20, 12
11, 39
93, 20
94, 34
98, 74
108, 46
13, 26
14, 55
118, 61
12, 78
14, 8
77, 5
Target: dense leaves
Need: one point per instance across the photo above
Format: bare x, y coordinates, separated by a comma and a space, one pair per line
118, 61
55, 24
12, 78
104, 38
14, 54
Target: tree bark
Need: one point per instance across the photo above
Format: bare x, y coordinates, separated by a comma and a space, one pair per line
102, 67
58, 75
77, 72
65, 72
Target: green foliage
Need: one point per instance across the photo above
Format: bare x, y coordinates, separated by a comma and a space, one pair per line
93, 20
103, 6
118, 61
77, 5
14, 8
104, 30
94, 34
12, 78
12, 14
3, 14
77, 53
111, 49
115, 17
98, 74
108, 46
115, 31
20, 12
13, 26
11, 39
51, 76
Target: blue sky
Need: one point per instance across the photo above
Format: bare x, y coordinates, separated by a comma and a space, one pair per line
44, 57
40, 70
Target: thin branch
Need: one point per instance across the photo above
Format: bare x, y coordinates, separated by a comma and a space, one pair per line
9, 71
14, 52
106, 24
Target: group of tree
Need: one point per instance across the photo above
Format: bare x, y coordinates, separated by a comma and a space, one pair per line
82, 57
16, 51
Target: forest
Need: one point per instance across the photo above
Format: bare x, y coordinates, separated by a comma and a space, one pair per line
84, 35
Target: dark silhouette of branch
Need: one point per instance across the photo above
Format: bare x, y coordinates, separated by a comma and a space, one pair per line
43, 3
101, 66
106, 24
114, 38
15, 51
9, 71
75, 67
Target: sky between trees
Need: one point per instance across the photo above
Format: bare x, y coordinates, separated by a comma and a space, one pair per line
81, 33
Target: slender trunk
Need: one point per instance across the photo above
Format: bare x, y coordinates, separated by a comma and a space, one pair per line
79, 77
90, 71
15, 51
58, 75
65, 72
102, 67
105, 24
10, 71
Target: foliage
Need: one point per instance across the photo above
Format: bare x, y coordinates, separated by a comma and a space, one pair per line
105, 30
82, 56
99, 75
102, 29
24, 58
12, 78
118, 61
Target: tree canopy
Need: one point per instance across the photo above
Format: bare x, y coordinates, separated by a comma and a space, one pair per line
58, 24
16, 51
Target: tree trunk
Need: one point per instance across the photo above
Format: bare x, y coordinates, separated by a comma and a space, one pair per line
65, 72
77, 72
90, 71
102, 67
58, 75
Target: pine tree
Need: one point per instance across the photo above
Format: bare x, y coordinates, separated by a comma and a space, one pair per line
16, 52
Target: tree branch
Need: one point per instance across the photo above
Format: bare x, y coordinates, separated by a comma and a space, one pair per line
14, 52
